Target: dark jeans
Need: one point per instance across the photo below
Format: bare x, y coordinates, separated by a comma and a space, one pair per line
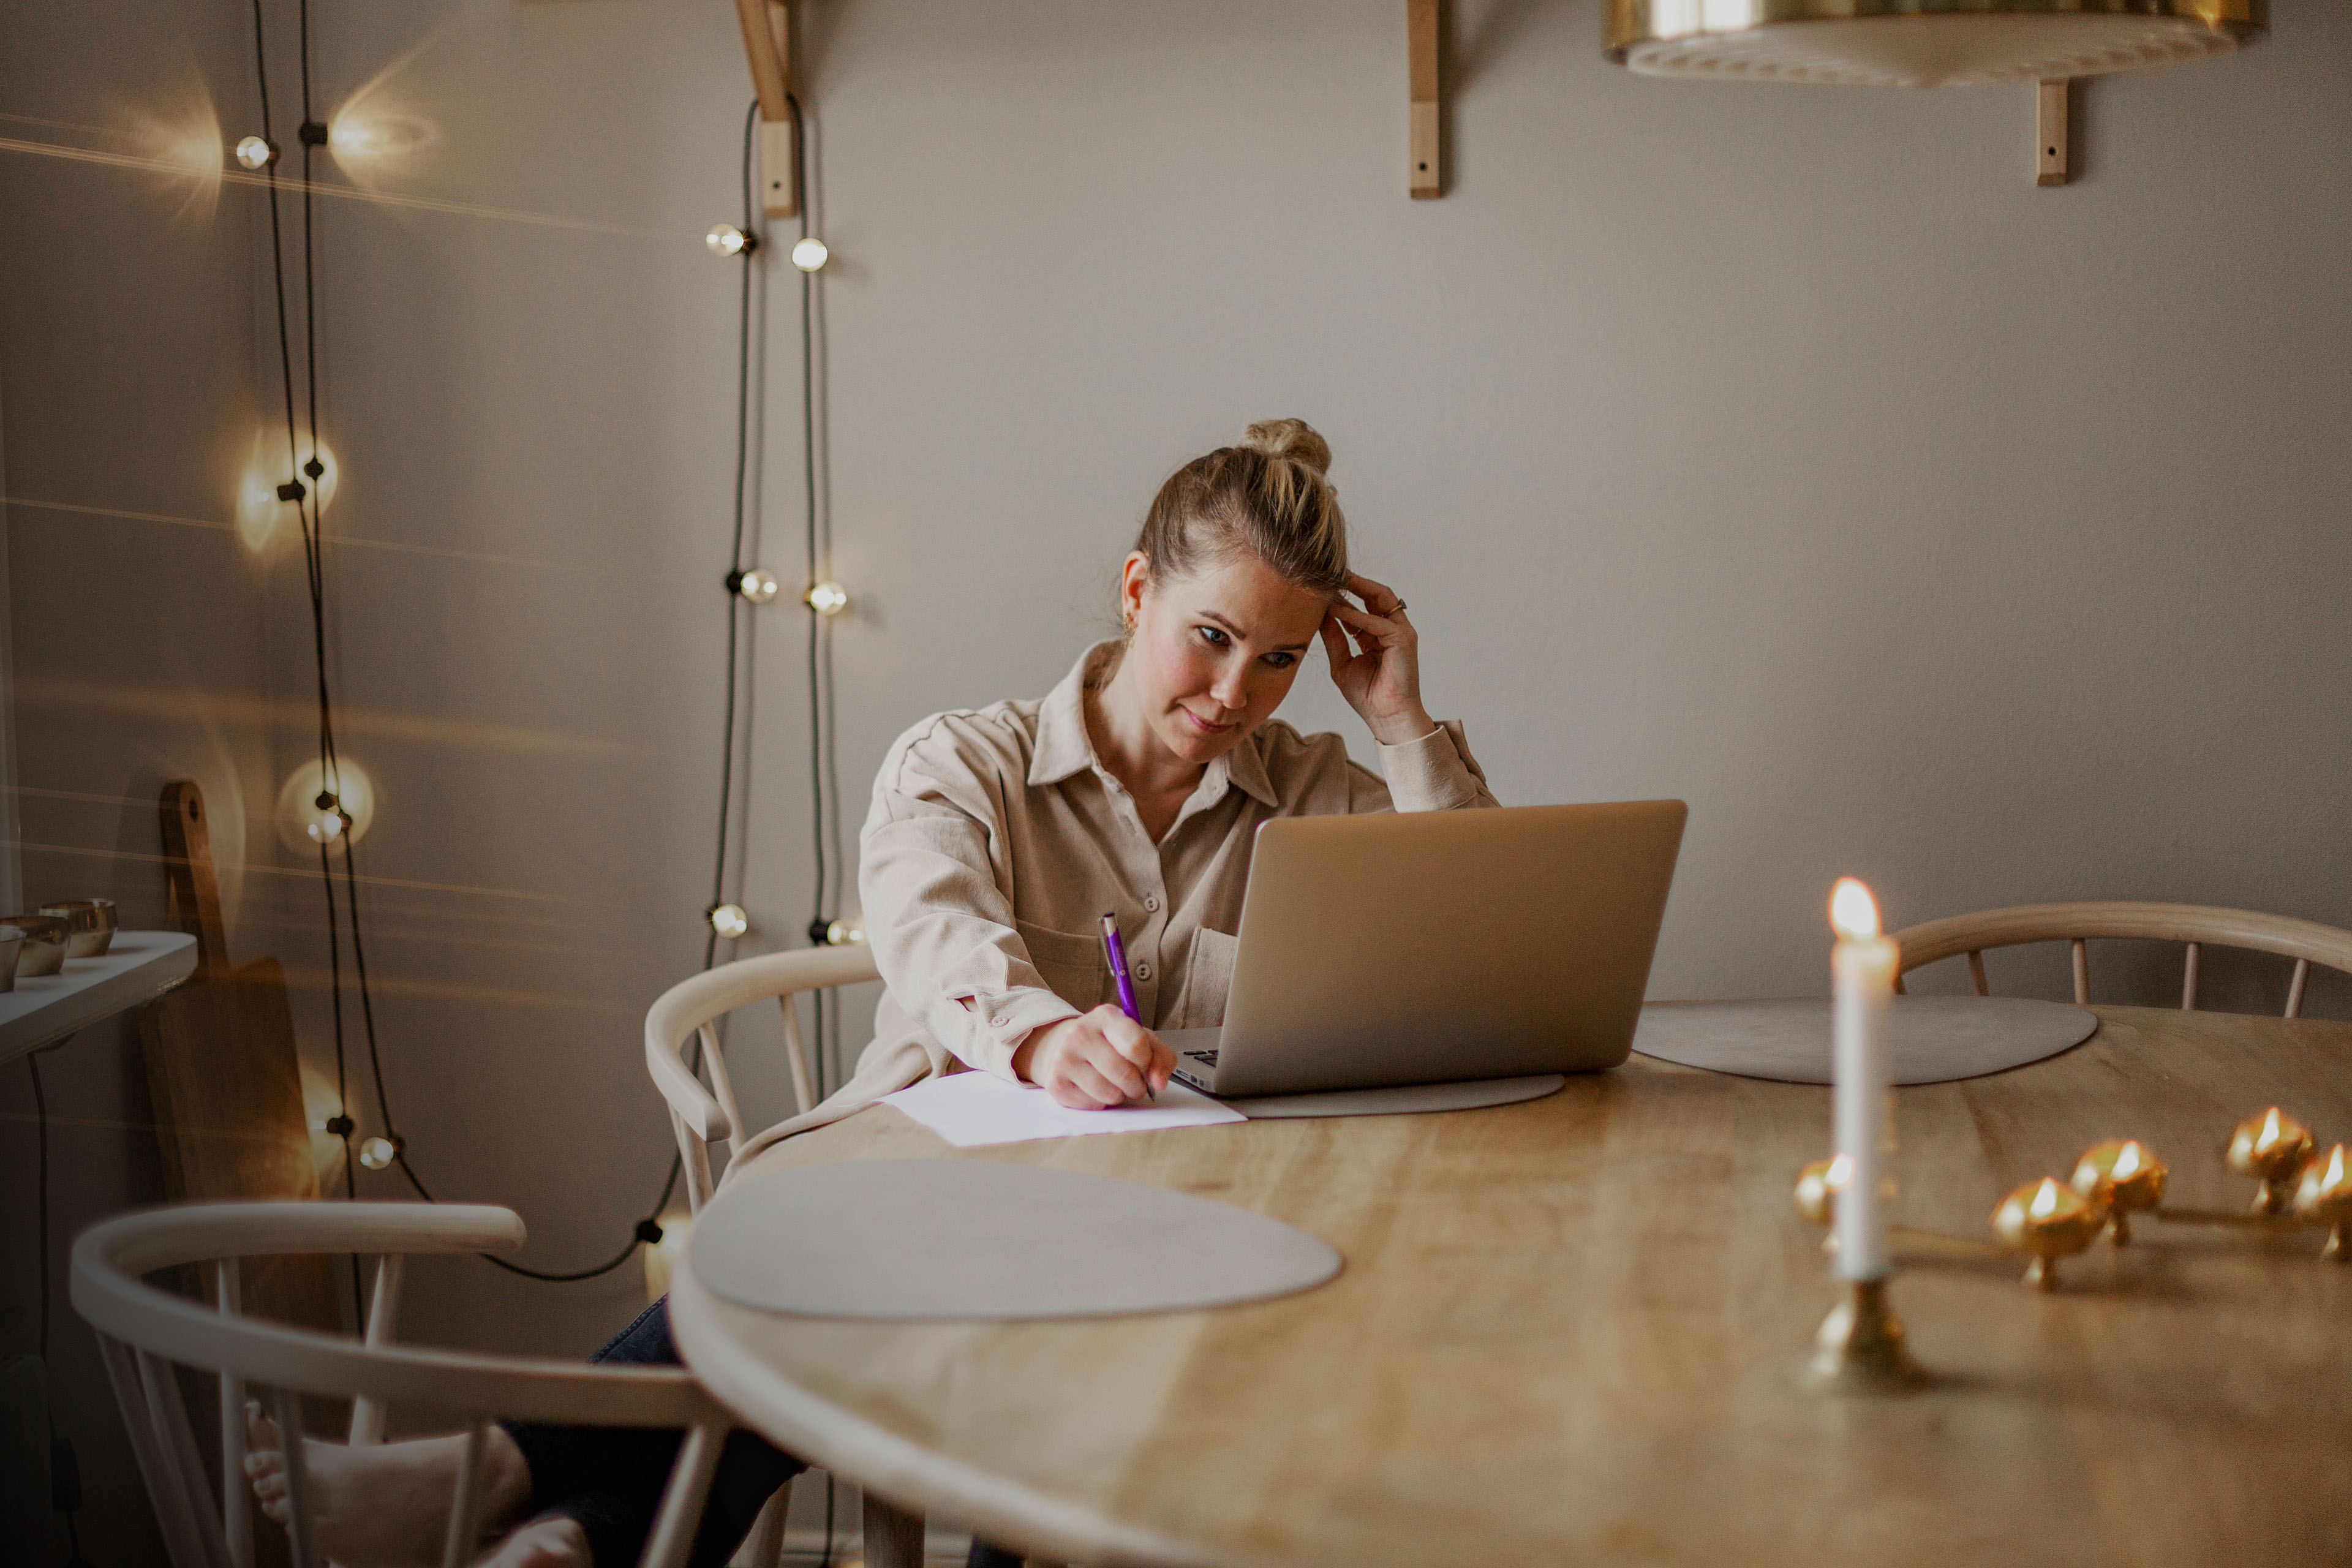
609, 1478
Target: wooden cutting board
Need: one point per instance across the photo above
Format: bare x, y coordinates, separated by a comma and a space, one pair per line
224, 1076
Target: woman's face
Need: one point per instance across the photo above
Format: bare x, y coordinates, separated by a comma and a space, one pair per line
1213, 654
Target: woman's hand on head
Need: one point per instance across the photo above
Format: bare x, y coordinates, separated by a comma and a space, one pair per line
1376, 662
1096, 1060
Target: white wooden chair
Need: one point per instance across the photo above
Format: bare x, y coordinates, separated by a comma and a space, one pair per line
698, 1115
2306, 941
144, 1332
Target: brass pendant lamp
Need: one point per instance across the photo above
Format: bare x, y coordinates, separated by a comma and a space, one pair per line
1921, 43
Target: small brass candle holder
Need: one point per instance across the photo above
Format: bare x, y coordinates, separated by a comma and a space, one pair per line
2123, 1178
1818, 1185
2270, 1148
2324, 1193
2051, 1222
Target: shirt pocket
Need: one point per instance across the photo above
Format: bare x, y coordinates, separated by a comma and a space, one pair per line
1072, 966
1208, 977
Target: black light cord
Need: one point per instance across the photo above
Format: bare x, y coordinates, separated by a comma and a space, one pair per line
824, 789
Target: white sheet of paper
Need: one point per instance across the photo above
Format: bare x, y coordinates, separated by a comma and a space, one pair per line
969, 1109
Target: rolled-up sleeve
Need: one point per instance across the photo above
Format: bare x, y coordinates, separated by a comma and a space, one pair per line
934, 878
1436, 773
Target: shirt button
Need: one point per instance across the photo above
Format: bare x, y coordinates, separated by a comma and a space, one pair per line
1152, 903
1143, 970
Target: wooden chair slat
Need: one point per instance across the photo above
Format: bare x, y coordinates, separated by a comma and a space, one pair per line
300, 1528
2294, 988
2189, 981
466, 1508
682, 1499
368, 1416
1976, 973
236, 1498
2082, 974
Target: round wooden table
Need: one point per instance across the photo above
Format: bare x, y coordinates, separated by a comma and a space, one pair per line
1572, 1331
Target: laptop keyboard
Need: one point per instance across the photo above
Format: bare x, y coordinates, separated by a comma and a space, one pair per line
1208, 1058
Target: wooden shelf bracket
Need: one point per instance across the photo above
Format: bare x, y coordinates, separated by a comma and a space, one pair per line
2049, 147
1424, 22
768, 41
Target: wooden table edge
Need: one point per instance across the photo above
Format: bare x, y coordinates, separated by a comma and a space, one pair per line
824, 1435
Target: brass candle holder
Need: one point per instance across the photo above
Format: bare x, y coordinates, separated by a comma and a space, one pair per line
2051, 1222
2324, 1193
2270, 1148
1860, 1348
1818, 1185
2123, 1178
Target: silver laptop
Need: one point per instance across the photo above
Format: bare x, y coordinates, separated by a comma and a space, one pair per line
1432, 946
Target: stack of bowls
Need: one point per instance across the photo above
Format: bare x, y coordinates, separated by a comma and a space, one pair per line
90, 924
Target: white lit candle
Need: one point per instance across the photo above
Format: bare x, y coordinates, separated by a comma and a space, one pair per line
1863, 963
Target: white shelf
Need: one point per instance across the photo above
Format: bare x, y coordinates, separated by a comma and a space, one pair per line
141, 964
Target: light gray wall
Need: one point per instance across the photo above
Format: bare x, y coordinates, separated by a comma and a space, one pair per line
136, 638
1783, 449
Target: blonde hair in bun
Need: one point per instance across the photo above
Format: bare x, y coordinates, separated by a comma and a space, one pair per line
1268, 496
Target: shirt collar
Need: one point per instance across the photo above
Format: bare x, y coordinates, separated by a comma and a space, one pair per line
1064, 748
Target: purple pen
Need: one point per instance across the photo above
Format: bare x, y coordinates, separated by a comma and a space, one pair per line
1116, 950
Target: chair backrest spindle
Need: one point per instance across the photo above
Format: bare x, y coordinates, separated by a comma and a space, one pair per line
2082, 974
2294, 988
2189, 981
237, 1500
795, 1055
300, 1529
368, 1416
466, 1511
1976, 972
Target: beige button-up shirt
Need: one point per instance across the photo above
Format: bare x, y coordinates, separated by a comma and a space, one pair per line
997, 840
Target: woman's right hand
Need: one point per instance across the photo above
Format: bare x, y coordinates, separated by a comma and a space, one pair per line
1096, 1060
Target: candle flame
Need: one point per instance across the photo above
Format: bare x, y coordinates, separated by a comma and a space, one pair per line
2269, 1136
2127, 1160
2334, 1175
2045, 1200
1841, 1173
1852, 911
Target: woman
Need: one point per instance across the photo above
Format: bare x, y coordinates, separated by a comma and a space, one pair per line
996, 839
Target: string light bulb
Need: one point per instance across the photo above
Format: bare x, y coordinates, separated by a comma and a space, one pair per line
810, 255
378, 1152
729, 920
726, 239
757, 585
257, 152
827, 598
847, 931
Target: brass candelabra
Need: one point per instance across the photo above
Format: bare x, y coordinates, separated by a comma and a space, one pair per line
2297, 1187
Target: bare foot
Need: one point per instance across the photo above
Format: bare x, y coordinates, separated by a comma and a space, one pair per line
386, 1505
542, 1543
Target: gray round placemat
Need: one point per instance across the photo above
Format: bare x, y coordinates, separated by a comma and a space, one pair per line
976, 1239
1934, 1039
1402, 1100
